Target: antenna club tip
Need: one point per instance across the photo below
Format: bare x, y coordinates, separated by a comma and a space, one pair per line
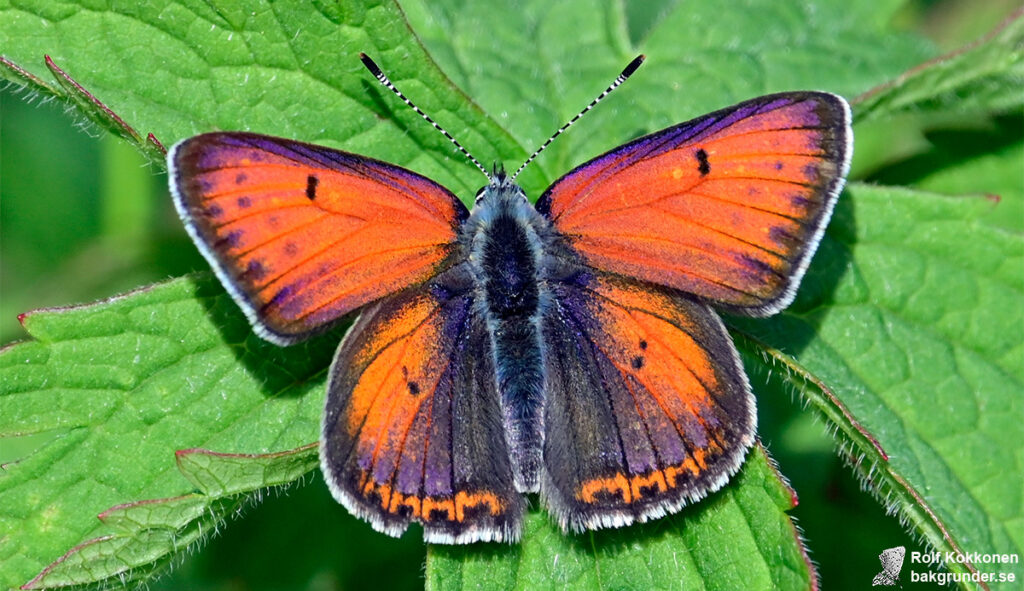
633, 65
369, 63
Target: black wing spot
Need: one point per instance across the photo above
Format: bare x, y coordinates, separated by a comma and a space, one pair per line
703, 167
414, 387
438, 515
291, 249
244, 202
812, 174
311, 183
643, 345
233, 239
649, 491
638, 362
255, 271
241, 178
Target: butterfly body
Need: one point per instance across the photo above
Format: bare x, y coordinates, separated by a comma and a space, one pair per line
570, 348
506, 241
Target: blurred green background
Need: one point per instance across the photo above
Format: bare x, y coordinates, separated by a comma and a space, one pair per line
84, 217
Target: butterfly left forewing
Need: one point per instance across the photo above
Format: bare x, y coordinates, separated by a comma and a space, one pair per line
302, 234
412, 430
729, 207
648, 408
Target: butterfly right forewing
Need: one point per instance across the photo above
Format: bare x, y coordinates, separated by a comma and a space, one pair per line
728, 207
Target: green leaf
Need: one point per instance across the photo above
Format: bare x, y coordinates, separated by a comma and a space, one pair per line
540, 62
120, 386
763, 551
980, 156
908, 328
285, 69
983, 77
151, 532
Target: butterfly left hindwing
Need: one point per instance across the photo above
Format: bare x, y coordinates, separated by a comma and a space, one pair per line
412, 429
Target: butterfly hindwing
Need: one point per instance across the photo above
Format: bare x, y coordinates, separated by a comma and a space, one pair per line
303, 234
728, 207
648, 408
413, 429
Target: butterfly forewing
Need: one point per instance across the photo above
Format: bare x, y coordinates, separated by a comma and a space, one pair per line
728, 207
303, 234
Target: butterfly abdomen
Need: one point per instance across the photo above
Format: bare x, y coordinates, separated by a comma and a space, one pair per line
505, 255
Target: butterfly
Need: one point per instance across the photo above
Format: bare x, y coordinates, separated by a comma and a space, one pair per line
570, 349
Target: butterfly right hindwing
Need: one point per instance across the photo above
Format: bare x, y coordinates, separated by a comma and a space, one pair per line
647, 405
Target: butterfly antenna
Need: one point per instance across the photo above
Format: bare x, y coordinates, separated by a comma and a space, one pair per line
383, 79
626, 73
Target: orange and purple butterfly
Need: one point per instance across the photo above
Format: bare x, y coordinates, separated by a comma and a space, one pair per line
570, 349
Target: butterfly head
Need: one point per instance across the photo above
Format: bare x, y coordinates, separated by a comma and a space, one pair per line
499, 187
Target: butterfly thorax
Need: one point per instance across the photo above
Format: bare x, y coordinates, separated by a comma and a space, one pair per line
505, 239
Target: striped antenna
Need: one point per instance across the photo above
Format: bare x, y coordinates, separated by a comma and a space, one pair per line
626, 73
379, 75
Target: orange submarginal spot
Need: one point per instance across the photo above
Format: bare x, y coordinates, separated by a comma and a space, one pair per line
465, 500
617, 485
699, 458
428, 508
434, 505
413, 503
384, 491
645, 481
639, 487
